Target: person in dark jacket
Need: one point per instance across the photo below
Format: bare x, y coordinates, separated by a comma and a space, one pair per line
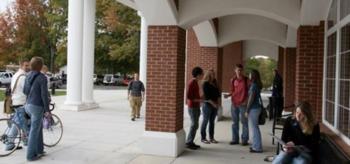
211, 104
302, 136
35, 88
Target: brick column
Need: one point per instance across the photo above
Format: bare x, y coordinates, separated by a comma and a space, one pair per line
309, 66
164, 133
289, 68
280, 61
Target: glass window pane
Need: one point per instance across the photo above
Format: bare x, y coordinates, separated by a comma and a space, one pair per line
332, 45
332, 15
345, 38
344, 8
343, 121
344, 93
330, 113
345, 66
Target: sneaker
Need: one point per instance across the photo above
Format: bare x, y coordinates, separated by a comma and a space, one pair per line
11, 147
132, 119
191, 146
197, 146
234, 143
33, 159
255, 151
205, 141
245, 143
41, 154
214, 141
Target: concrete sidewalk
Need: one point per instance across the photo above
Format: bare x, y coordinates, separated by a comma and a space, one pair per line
107, 135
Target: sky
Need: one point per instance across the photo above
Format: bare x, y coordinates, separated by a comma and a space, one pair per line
3, 4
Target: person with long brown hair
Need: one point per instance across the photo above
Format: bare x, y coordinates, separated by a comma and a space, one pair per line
301, 134
254, 110
211, 96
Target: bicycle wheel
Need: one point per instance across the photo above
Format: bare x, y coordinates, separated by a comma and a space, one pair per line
10, 137
52, 131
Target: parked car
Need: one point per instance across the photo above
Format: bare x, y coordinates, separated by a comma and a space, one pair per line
55, 81
110, 79
5, 78
98, 79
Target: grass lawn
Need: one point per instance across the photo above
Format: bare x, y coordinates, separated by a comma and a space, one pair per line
2, 95
58, 93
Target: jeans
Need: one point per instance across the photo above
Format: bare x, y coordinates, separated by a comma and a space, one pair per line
35, 141
237, 113
194, 115
254, 126
209, 114
292, 158
21, 121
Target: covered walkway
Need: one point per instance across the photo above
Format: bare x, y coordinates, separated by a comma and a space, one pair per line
108, 136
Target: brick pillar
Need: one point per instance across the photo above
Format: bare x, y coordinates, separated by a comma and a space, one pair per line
165, 91
280, 61
289, 68
309, 66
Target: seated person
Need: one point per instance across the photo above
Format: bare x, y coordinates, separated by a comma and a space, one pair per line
301, 134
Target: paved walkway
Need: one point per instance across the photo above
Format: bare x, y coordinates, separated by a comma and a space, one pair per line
107, 136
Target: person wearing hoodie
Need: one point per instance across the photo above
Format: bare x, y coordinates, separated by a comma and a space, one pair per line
35, 88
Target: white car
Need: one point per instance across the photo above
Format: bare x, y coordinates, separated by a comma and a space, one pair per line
5, 78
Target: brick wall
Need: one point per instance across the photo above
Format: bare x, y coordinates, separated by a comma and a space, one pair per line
222, 60
289, 68
309, 66
205, 57
165, 78
232, 55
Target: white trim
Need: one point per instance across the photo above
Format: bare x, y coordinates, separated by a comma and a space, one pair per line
337, 76
337, 132
163, 143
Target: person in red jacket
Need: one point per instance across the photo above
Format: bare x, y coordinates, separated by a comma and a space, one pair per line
239, 96
193, 97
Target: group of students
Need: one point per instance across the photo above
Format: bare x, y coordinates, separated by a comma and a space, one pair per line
245, 95
302, 129
30, 97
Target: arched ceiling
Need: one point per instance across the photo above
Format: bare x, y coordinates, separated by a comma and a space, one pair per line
283, 16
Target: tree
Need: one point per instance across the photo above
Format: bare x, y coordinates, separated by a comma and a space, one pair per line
39, 28
265, 68
117, 37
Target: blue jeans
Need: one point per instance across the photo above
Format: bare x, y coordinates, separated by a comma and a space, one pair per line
209, 114
254, 126
35, 140
21, 121
292, 158
194, 115
237, 114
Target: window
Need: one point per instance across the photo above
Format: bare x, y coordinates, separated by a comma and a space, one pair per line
337, 73
344, 81
330, 77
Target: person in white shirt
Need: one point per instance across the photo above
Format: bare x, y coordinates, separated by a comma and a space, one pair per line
18, 102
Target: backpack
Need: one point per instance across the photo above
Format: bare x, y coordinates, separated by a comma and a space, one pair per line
8, 97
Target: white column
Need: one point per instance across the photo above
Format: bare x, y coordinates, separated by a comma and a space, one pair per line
143, 50
74, 59
88, 53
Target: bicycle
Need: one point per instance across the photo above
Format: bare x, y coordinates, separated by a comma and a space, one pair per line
52, 132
